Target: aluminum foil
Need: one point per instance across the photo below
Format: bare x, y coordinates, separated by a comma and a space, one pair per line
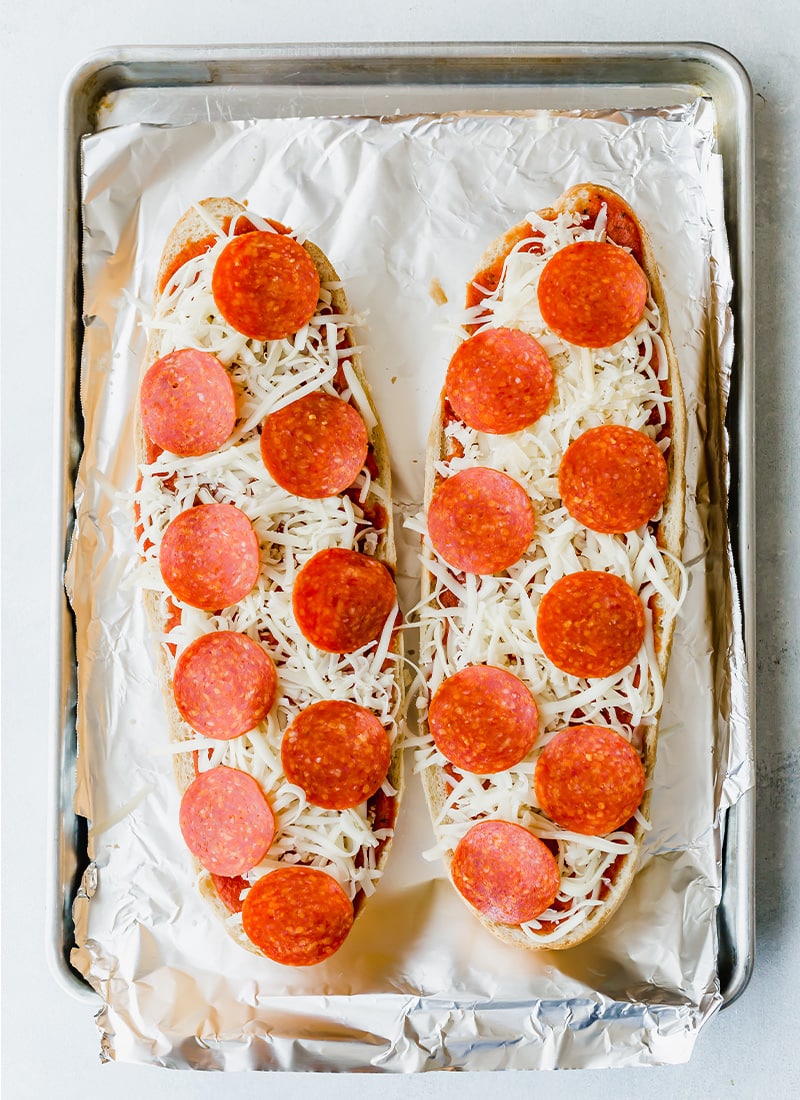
397, 203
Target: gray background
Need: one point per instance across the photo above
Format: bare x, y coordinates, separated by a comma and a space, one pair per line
50, 1043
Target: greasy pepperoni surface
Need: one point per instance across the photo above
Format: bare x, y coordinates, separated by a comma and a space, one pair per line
341, 599
613, 479
589, 780
224, 684
590, 624
483, 719
297, 916
499, 381
314, 447
337, 752
592, 294
209, 556
505, 872
481, 520
226, 821
265, 285
188, 403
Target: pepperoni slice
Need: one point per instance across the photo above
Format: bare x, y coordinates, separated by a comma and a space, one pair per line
188, 403
337, 752
226, 821
230, 891
592, 294
297, 916
209, 556
505, 872
265, 285
481, 520
342, 599
224, 684
590, 624
589, 780
613, 479
499, 381
484, 719
314, 447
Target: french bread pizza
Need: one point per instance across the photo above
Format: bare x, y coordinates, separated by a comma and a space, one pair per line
264, 527
552, 535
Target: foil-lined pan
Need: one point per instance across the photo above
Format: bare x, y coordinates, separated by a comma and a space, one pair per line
372, 153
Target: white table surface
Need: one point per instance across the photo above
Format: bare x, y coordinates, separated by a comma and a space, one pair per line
50, 1044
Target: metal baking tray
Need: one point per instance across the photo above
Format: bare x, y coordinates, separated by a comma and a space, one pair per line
380, 79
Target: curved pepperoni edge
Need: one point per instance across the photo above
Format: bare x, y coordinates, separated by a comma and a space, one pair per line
341, 599
505, 872
187, 402
589, 780
297, 916
314, 447
590, 624
480, 520
483, 719
337, 752
265, 285
592, 293
499, 381
613, 479
226, 821
209, 556
224, 684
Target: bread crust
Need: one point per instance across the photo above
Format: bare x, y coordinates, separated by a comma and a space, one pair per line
670, 539
192, 227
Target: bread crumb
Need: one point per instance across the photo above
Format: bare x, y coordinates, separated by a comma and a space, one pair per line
436, 292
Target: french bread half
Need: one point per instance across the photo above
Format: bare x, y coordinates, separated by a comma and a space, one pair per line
468, 619
351, 844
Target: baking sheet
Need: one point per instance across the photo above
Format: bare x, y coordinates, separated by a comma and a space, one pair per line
491, 983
